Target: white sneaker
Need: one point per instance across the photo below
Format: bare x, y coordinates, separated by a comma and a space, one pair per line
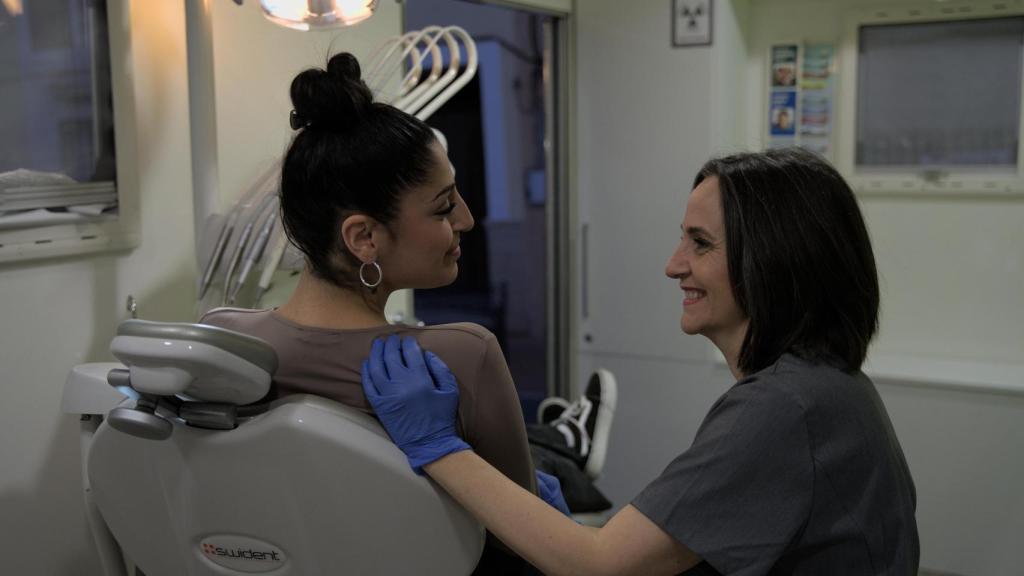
602, 392
586, 423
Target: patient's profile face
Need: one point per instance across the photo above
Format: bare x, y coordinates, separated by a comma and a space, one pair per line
424, 248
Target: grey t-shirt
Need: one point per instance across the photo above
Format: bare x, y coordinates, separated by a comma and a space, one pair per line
795, 470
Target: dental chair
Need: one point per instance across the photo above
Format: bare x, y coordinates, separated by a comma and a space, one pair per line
184, 475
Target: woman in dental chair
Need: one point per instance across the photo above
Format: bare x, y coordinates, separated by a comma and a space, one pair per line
368, 195
796, 469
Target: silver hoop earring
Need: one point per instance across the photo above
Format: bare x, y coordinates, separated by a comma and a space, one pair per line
362, 277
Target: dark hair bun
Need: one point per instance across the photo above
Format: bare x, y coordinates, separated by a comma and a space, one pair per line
334, 99
344, 66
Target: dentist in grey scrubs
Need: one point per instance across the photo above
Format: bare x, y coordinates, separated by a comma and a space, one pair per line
796, 469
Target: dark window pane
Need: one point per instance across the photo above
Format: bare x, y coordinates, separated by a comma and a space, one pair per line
940, 94
55, 93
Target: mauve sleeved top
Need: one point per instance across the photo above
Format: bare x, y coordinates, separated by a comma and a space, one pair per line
326, 362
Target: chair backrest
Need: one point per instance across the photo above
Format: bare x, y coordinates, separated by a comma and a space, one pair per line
309, 487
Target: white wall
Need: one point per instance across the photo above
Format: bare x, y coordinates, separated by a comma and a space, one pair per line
648, 116
58, 313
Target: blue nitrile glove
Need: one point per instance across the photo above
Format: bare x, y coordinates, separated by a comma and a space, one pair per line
415, 397
550, 490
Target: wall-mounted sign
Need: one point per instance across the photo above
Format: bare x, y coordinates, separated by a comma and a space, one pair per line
691, 23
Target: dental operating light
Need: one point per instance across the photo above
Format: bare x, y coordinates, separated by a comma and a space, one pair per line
14, 7
317, 14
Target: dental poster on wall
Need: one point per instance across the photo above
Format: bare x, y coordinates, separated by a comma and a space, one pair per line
816, 98
782, 113
784, 65
782, 98
800, 96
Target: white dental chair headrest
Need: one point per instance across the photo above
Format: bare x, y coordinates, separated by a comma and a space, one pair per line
192, 372
194, 361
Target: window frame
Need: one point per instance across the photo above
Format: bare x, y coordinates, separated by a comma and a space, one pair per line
972, 182
109, 233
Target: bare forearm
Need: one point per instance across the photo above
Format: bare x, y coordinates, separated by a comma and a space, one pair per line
538, 532
399, 378
628, 544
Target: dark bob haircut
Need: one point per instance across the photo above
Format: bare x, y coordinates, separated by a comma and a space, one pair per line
351, 155
799, 256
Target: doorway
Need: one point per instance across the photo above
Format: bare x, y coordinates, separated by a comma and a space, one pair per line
497, 127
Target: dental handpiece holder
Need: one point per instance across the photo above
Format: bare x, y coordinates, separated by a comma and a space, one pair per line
202, 375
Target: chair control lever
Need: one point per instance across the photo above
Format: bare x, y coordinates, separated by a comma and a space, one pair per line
119, 377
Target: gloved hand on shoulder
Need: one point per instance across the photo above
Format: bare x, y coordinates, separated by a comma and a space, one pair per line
415, 397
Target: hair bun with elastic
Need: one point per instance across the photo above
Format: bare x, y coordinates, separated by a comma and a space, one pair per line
334, 99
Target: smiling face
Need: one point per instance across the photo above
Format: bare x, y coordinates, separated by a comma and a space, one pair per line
423, 249
700, 265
